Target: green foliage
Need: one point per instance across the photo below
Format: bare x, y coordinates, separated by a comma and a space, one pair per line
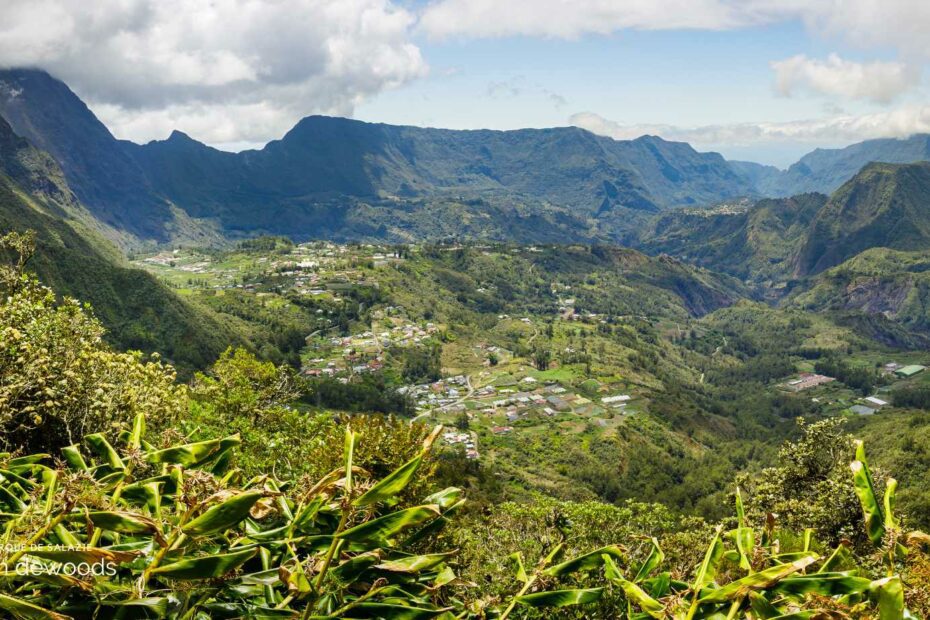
59, 380
857, 377
241, 386
260, 402
911, 396
810, 486
183, 539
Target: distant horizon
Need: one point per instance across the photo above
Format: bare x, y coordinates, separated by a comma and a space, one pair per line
804, 151
801, 150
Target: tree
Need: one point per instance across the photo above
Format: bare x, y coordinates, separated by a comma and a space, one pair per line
240, 385
810, 486
541, 358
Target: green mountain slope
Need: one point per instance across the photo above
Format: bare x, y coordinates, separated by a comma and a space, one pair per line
884, 205
327, 174
755, 242
825, 170
76, 260
890, 283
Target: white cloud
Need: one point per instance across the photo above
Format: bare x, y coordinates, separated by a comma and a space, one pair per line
223, 70
902, 24
897, 24
896, 123
573, 18
877, 81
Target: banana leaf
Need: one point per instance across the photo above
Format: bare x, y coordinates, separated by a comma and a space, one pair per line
26, 610
388, 526
205, 567
561, 598
415, 563
223, 515
764, 579
586, 562
193, 454
633, 592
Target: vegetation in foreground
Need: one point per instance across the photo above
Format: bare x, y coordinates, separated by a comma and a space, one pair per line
183, 527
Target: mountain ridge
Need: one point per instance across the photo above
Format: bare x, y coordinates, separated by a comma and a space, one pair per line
154, 190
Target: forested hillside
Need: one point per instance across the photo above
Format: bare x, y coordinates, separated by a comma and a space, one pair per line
201, 498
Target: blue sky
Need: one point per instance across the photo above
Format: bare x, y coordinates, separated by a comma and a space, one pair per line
764, 80
684, 78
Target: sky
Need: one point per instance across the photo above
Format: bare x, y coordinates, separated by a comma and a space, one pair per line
760, 80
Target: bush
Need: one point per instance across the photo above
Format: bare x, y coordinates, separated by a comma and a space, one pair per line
58, 378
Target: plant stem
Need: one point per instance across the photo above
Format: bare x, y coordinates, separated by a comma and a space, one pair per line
513, 602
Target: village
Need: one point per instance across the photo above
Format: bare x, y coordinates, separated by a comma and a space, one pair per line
862, 406
479, 402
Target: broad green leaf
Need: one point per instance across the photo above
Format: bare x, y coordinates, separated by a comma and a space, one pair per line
708, 568
561, 598
296, 582
415, 563
445, 576
118, 521
65, 537
761, 607
633, 592
660, 585
50, 482
822, 584
223, 515
762, 580
392, 484
520, 570
74, 459
744, 539
88, 555
888, 594
865, 490
890, 488
350, 458
397, 612
11, 501
653, 560
349, 570
138, 431
586, 562
557, 552
26, 461
841, 556
156, 606
205, 567
99, 444
193, 454
390, 525
26, 610
872, 510
740, 512
7, 475
446, 498
39, 574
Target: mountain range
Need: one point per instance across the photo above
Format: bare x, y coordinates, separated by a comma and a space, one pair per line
797, 236
345, 179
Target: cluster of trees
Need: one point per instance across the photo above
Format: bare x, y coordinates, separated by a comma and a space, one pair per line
861, 378
917, 397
